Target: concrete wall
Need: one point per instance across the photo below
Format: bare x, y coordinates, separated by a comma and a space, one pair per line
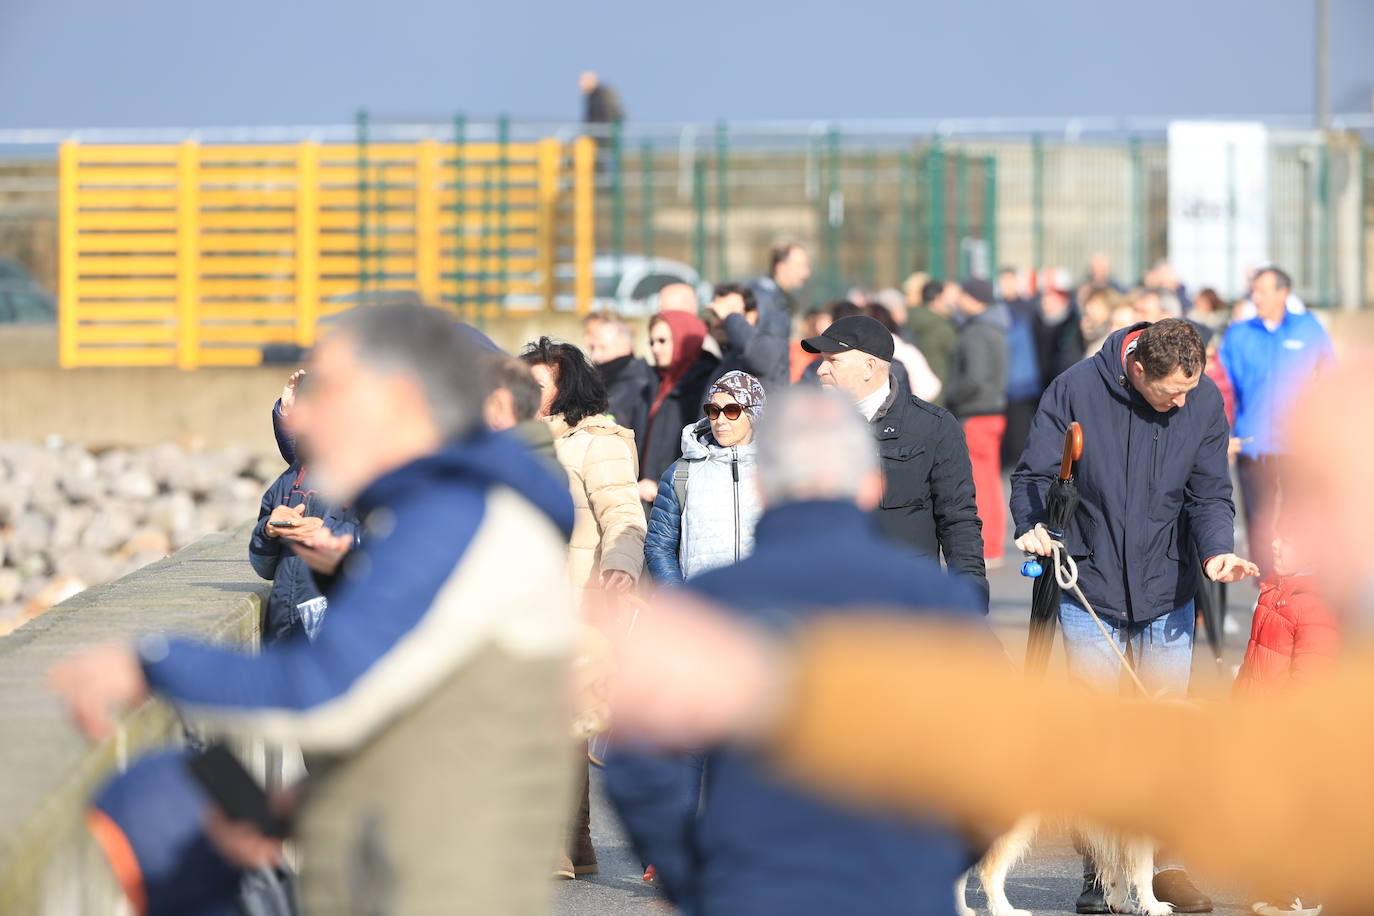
48, 864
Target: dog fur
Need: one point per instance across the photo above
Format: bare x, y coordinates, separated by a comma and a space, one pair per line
1124, 864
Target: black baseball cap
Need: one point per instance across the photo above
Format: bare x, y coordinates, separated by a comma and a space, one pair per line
856, 332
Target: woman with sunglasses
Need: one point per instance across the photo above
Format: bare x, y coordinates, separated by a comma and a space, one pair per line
707, 503
684, 369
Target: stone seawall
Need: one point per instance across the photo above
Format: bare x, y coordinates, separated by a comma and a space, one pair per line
48, 864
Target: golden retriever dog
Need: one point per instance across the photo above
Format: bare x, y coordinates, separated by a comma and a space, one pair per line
1125, 865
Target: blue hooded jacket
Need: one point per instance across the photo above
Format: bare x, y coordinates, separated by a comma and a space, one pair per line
1155, 487
335, 692
755, 844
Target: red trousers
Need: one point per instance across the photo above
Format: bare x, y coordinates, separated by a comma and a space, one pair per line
984, 435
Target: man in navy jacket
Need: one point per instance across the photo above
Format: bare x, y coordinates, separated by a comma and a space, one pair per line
1156, 495
741, 840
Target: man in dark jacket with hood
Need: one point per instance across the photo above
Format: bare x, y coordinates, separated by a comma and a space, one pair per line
928, 499
742, 839
1156, 493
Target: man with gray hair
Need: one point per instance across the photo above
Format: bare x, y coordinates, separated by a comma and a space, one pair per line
817, 554
629, 380
429, 704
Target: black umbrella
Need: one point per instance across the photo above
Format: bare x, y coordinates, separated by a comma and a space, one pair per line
1060, 504
1211, 604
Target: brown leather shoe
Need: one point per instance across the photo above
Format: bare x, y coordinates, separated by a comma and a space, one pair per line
1173, 886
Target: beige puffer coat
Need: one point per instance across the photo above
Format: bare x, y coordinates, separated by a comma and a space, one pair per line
603, 476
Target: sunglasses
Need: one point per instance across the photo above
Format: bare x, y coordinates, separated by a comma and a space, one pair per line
731, 411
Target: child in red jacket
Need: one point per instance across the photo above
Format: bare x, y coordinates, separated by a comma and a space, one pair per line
1295, 638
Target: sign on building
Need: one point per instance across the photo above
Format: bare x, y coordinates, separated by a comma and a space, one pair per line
1218, 202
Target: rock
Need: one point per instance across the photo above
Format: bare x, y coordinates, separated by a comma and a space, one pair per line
9, 586
172, 512
68, 524
147, 540
267, 468
107, 531
80, 476
85, 566
27, 537
134, 484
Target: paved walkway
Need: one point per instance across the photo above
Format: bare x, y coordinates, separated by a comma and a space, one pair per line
1047, 882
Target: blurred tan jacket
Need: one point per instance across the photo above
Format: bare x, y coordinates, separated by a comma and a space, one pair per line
603, 476
1278, 794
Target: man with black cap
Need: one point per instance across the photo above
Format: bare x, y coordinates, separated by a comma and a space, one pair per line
976, 393
928, 495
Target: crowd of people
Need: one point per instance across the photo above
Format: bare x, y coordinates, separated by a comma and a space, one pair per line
440, 493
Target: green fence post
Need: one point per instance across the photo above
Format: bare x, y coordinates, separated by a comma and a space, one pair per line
1037, 202
362, 132
935, 174
870, 218
646, 197
904, 241
1137, 208
617, 196
460, 126
960, 212
990, 213
699, 206
1323, 224
834, 219
722, 197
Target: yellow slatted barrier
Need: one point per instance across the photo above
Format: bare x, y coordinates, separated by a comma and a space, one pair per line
188, 255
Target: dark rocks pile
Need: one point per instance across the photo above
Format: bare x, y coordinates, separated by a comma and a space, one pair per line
70, 518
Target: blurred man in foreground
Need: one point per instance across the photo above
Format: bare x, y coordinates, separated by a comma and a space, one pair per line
817, 553
903, 714
430, 700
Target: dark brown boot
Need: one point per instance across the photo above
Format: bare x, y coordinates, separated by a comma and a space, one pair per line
580, 848
1173, 886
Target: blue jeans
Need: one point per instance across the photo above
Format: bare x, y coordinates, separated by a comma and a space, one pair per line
1161, 650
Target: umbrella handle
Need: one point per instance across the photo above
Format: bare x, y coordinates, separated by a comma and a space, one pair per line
1073, 450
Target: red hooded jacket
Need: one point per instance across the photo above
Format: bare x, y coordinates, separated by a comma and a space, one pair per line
1294, 638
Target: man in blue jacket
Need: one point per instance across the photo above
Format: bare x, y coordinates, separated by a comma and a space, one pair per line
431, 701
1156, 493
1268, 359
755, 844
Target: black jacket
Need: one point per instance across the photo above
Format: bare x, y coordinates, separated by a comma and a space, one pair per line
1149, 482
977, 383
630, 385
662, 443
762, 350
928, 497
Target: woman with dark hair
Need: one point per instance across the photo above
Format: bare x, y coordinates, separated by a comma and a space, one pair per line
606, 550
684, 370
608, 529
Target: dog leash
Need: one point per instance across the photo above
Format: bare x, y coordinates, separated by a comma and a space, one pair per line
1066, 575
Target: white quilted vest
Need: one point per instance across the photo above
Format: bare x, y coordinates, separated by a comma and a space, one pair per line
722, 505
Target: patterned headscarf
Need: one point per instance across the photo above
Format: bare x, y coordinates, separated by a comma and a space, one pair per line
746, 391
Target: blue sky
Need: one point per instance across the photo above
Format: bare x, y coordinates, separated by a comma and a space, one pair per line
71, 63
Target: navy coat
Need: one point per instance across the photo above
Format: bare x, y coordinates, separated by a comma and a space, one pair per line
1155, 487
756, 844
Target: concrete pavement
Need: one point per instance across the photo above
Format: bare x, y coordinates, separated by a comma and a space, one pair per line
1047, 882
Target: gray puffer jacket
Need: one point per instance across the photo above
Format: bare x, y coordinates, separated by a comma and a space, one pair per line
716, 526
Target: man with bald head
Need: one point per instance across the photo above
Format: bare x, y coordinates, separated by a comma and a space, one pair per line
629, 381
678, 297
